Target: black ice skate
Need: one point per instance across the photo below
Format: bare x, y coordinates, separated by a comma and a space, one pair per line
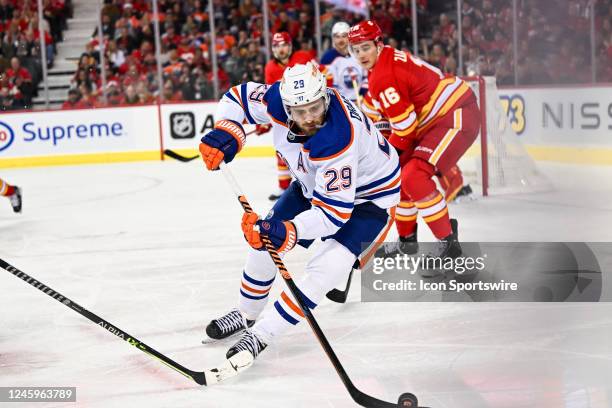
465, 191
227, 325
15, 199
239, 357
448, 247
404, 246
249, 342
465, 194
276, 195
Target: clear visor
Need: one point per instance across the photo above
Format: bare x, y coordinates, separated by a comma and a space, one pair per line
310, 112
360, 48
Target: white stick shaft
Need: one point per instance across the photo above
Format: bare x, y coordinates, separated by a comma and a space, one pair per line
230, 179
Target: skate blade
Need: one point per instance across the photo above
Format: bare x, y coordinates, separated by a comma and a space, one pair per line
210, 340
465, 199
230, 368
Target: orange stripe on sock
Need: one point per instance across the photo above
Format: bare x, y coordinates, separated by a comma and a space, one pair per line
436, 216
290, 303
405, 217
430, 203
250, 289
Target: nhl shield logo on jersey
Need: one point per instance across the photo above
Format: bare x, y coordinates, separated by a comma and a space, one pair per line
182, 125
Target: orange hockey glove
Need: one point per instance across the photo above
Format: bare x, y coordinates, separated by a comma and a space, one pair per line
222, 143
282, 234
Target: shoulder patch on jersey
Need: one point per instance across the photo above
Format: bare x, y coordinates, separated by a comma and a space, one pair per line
274, 104
337, 135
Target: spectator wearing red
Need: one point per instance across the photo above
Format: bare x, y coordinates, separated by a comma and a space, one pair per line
21, 79
130, 97
170, 95
284, 57
87, 100
170, 37
282, 50
285, 24
72, 101
16, 71
447, 29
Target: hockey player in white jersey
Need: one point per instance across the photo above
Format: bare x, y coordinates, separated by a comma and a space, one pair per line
345, 189
343, 69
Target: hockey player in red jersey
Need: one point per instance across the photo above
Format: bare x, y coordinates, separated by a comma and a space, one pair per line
433, 121
284, 57
13, 193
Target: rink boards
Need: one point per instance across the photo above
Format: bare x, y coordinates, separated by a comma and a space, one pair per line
571, 124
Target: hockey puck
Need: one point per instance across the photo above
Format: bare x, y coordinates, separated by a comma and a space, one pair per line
407, 399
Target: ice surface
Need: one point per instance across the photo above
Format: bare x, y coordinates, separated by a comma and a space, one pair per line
156, 249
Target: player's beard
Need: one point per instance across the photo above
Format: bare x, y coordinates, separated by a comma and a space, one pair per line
282, 57
309, 129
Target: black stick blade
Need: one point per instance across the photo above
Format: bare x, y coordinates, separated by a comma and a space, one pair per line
179, 157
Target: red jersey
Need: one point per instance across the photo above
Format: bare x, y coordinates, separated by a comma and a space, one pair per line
22, 73
274, 69
411, 94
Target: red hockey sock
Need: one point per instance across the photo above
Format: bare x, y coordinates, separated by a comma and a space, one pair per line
406, 218
284, 175
417, 176
283, 183
6, 189
435, 213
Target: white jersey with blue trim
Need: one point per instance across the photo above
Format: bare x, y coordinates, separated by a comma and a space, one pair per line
347, 162
343, 70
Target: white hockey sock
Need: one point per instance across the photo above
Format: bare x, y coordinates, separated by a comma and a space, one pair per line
256, 281
329, 266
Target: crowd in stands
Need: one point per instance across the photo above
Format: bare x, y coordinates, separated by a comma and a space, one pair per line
20, 48
553, 43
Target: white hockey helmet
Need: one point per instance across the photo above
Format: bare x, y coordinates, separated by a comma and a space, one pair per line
340, 28
303, 84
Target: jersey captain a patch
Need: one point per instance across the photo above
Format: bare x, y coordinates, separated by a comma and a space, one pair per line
300, 164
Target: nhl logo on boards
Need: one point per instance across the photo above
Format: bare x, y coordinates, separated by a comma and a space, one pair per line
182, 125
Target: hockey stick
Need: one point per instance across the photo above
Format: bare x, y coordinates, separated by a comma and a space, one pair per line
365, 400
356, 89
339, 296
197, 376
179, 157
185, 159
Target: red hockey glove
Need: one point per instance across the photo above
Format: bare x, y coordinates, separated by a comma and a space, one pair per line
262, 129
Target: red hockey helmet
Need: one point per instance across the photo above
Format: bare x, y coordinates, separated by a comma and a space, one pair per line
364, 31
280, 38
